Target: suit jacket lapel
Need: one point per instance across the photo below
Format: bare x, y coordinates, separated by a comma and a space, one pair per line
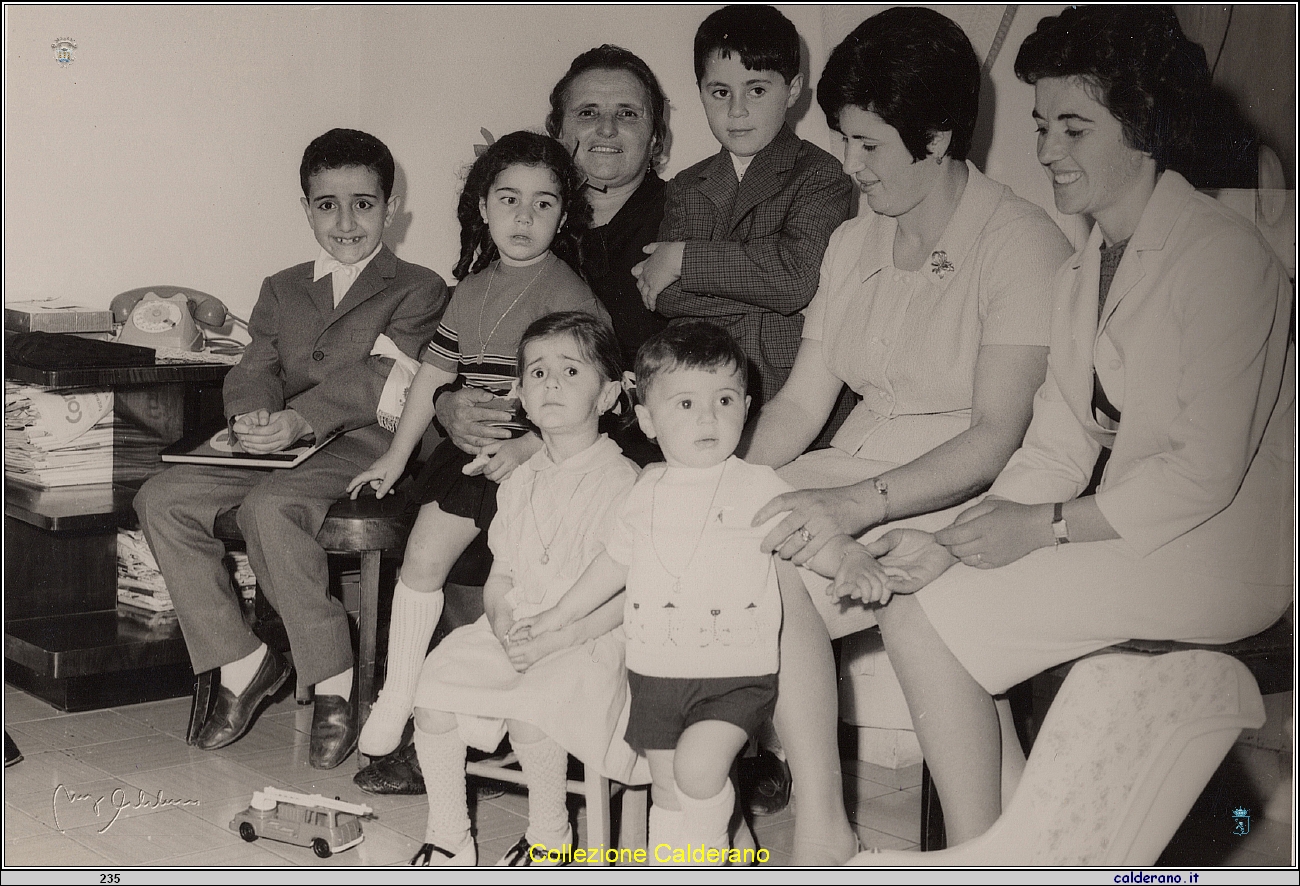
1074, 376
373, 279
1158, 218
718, 184
322, 293
766, 174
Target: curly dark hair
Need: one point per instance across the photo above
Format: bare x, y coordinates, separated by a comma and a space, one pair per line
609, 57
477, 250
347, 147
1137, 62
912, 67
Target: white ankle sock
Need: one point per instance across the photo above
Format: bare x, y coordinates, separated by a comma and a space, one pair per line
339, 684
238, 674
546, 765
415, 615
442, 760
664, 835
704, 822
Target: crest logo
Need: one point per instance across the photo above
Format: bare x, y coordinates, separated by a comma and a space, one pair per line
63, 47
1242, 821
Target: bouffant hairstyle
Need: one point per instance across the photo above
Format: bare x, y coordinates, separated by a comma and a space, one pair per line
347, 147
1136, 61
614, 58
912, 67
764, 39
477, 250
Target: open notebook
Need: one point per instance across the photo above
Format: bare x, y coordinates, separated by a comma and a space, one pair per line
222, 448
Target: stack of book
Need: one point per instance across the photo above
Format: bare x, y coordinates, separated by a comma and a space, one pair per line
58, 438
139, 583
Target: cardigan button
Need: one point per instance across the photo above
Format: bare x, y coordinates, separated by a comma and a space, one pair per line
318, 355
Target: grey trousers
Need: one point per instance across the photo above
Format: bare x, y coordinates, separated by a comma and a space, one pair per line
280, 513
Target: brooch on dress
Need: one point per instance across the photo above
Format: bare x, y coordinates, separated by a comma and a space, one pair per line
940, 265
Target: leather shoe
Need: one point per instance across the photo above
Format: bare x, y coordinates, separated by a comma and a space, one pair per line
232, 715
764, 783
333, 731
396, 773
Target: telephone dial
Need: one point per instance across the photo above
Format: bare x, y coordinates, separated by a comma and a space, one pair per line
165, 316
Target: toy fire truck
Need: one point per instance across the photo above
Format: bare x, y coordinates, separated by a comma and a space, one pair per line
327, 826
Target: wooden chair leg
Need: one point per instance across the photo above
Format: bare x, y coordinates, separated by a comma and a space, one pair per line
634, 820
367, 629
205, 690
596, 789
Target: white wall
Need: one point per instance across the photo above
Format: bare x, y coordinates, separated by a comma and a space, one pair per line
167, 152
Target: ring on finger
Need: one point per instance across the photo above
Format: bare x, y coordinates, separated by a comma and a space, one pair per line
804, 534
979, 558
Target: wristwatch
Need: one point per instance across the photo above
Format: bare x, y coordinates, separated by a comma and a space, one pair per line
1060, 532
883, 489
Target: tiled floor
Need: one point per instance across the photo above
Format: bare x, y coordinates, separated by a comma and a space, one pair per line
71, 760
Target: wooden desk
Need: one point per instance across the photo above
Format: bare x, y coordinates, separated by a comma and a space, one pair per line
65, 639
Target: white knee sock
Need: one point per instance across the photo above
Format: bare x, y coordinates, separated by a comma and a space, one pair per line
238, 674
546, 765
704, 822
664, 835
415, 615
442, 760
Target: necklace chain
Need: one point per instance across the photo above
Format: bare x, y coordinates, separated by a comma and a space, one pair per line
677, 577
559, 524
483, 342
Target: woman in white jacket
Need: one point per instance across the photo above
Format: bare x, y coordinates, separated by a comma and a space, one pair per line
1169, 347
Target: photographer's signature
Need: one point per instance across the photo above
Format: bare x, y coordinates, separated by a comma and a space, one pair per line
119, 801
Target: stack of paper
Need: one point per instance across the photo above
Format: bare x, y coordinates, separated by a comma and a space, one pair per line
139, 583
58, 437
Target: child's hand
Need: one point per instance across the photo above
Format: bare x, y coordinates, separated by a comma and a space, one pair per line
525, 652
381, 476
662, 269
510, 455
481, 460
262, 431
861, 577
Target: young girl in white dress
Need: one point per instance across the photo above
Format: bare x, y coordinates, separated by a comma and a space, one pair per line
558, 694
521, 212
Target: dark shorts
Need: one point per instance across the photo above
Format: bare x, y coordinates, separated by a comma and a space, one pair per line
662, 707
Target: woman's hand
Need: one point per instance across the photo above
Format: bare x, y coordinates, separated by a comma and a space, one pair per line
381, 476
502, 625
468, 423
996, 532
816, 516
912, 558
510, 455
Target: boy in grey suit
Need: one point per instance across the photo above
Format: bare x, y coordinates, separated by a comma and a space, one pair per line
307, 373
744, 231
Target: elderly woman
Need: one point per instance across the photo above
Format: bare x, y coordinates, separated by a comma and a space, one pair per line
934, 309
610, 111
1168, 348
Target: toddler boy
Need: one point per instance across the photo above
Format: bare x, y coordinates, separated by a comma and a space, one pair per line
307, 373
703, 609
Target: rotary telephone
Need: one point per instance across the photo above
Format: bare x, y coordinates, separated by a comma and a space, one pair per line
164, 317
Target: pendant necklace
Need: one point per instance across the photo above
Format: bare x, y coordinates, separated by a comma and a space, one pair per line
537, 524
483, 342
677, 577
